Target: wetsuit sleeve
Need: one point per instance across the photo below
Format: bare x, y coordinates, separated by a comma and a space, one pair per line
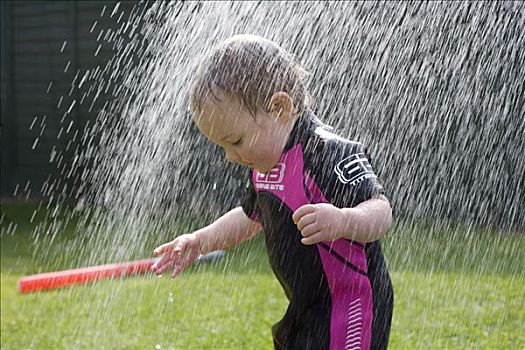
345, 174
249, 202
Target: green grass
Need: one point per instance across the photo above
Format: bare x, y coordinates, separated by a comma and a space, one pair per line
455, 288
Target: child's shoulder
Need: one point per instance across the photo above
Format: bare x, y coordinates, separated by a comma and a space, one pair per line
334, 160
327, 143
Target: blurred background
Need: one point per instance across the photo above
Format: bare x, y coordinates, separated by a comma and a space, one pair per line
45, 45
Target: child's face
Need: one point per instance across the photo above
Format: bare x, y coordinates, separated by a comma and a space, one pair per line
255, 142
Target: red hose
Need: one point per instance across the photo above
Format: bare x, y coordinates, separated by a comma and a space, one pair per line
51, 280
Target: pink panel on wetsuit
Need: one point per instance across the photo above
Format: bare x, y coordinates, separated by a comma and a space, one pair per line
351, 318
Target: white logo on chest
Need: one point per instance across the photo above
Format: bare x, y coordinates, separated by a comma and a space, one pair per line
272, 179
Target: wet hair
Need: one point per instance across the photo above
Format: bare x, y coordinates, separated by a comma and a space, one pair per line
252, 69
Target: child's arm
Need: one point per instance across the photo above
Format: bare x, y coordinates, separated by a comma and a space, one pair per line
228, 230
366, 222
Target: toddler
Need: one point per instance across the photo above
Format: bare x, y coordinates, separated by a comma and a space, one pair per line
314, 195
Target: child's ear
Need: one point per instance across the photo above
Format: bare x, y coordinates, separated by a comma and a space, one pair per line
281, 106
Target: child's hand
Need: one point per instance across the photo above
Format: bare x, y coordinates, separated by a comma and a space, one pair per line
320, 222
177, 255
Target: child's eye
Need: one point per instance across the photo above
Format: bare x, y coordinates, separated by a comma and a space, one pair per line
238, 142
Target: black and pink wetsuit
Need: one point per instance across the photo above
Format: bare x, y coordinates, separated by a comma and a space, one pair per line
340, 292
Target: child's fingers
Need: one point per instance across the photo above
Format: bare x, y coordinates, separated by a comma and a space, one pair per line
299, 213
171, 264
163, 249
183, 262
162, 265
315, 238
177, 246
158, 263
180, 247
310, 230
175, 254
306, 220
176, 271
165, 262
160, 269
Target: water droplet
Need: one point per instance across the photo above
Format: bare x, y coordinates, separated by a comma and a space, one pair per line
72, 105
33, 123
115, 9
84, 78
93, 27
33, 216
52, 155
98, 49
35, 143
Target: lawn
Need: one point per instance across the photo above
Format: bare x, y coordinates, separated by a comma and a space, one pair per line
455, 288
